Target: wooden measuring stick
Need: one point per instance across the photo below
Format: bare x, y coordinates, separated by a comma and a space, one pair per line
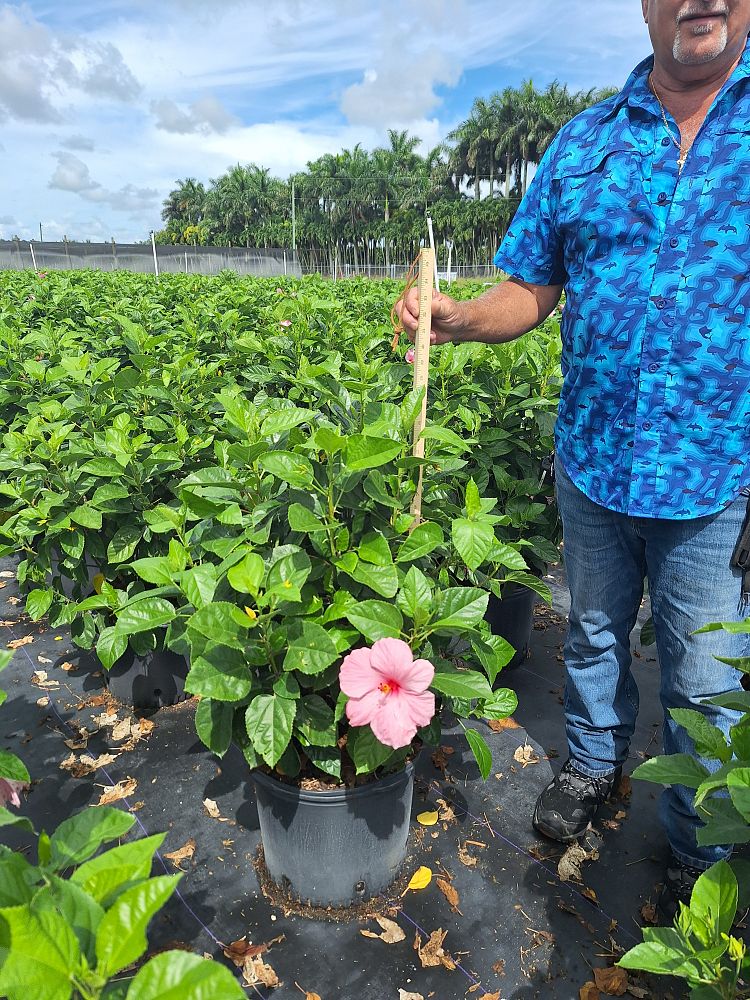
422, 366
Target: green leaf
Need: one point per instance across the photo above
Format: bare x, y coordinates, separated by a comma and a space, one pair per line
110, 646
247, 576
156, 569
17, 877
738, 783
124, 543
414, 598
82, 913
675, 769
121, 937
326, 759
198, 584
503, 703
506, 555
724, 825
213, 723
290, 468
494, 653
367, 752
460, 607
302, 519
472, 540
87, 517
315, 720
78, 838
473, 501
290, 569
221, 673
448, 437
424, 539
738, 701
11, 768
105, 875
482, 753
269, 720
465, 684
8, 818
709, 740
714, 897
382, 579
38, 603
374, 548
648, 632
144, 615
284, 420
37, 955
328, 441
103, 468
740, 738
311, 652
217, 624
201, 506
177, 975
363, 452
653, 956
376, 620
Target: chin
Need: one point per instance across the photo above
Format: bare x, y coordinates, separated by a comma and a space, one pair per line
700, 49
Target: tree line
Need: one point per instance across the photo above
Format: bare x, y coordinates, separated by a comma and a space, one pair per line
368, 208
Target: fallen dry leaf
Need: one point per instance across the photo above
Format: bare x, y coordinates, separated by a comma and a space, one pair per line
403, 995
67, 666
122, 729
79, 767
121, 790
392, 933
39, 679
432, 953
638, 991
500, 725
589, 992
255, 971
15, 643
105, 720
211, 808
499, 967
648, 912
590, 894
525, 755
7, 574
465, 858
625, 788
427, 818
569, 865
308, 994
450, 894
43, 702
490, 996
440, 757
447, 814
611, 981
43, 659
241, 950
184, 853
14, 600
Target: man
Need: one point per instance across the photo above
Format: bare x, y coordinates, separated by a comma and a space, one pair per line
641, 211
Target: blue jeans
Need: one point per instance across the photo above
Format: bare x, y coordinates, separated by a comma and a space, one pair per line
607, 557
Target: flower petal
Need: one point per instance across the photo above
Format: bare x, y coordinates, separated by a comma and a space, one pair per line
391, 658
357, 676
360, 711
417, 677
396, 722
9, 790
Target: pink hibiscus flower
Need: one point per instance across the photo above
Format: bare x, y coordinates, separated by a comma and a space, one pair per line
409, 356
387, 690
9, 790
285, 322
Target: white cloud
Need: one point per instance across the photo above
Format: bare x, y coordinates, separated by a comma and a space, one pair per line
78, 142
204, 116
73, 175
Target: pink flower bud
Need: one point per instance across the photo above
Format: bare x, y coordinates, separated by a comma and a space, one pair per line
409, 356
285, 322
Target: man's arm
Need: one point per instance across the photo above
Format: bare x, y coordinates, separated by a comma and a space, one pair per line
502, 313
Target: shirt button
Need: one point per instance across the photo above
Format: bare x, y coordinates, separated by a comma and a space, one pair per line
647, 425
662, 198
674, 242
653, 368
661, 303
665, 141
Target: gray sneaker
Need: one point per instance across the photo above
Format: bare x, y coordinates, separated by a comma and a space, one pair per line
569, 803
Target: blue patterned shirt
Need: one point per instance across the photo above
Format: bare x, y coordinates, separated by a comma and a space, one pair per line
654, 416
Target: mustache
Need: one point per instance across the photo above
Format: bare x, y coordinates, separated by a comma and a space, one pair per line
699, 10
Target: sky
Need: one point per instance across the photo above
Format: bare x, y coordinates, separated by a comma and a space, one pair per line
105, 104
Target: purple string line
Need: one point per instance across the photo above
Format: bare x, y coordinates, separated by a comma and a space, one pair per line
138, 820
540, 864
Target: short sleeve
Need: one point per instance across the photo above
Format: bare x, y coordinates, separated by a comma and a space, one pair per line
532, 248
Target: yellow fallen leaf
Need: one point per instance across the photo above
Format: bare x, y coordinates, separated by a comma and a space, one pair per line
250, 613
97, 582
427, 818
419, 880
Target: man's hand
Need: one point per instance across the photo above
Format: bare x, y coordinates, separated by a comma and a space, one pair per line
447, 322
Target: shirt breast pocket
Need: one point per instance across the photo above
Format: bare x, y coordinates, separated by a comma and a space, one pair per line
601, 205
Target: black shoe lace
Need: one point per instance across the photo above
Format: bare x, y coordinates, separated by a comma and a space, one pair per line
584, 785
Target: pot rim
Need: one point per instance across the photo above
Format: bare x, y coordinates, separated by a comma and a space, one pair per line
335, 795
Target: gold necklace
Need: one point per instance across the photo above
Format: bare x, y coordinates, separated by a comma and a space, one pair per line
683, 153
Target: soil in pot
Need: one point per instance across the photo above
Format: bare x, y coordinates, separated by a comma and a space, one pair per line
334, 848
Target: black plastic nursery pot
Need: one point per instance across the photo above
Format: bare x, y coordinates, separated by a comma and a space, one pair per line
334, 848
512, 617
151, 681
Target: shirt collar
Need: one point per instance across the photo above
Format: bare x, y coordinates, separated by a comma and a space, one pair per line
638, 94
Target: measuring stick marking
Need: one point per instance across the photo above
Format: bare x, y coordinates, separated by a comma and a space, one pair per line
422, 365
